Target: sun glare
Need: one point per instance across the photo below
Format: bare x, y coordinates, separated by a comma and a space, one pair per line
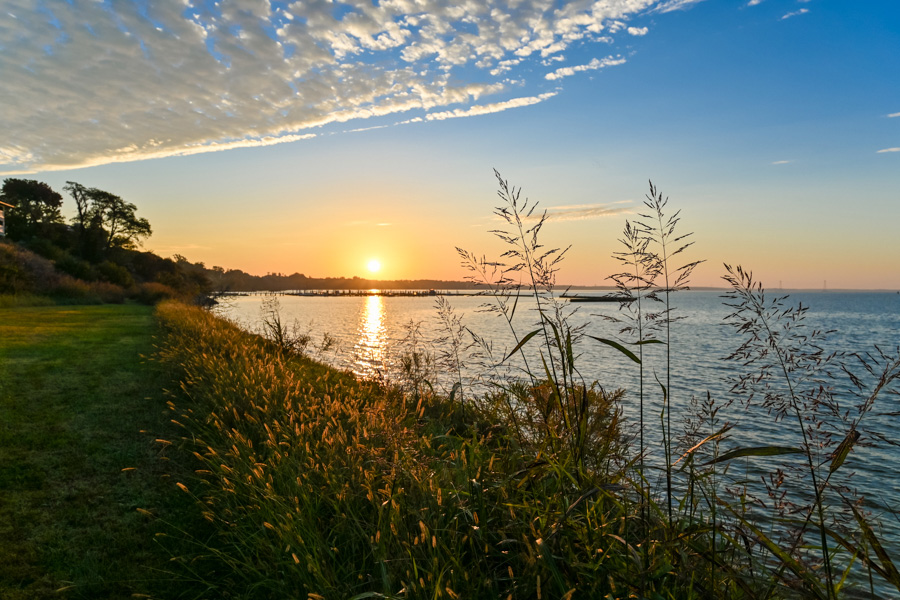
374, 266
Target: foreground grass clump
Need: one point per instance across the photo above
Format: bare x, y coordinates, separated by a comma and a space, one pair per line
74, 465
323, 486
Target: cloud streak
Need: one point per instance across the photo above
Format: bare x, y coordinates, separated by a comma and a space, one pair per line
594, 65
802, 11
673, 5
885, 150
90, 83
581, 212
487, 109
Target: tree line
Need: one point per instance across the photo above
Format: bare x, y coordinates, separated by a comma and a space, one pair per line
104, 221
100, 244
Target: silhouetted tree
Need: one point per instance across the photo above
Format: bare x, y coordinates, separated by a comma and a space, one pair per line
104, 221
36, 208
81, 196
118, 219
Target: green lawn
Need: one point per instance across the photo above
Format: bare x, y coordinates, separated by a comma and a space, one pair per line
80, 408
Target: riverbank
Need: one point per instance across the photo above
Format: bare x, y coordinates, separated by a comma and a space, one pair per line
80, 473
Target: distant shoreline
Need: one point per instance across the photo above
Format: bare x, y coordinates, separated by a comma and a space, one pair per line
402, 285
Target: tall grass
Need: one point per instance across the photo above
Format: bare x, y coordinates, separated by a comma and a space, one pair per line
320, 485
323, 485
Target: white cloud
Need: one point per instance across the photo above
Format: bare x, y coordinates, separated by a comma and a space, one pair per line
360, 129
487, 109
670, 5
638, 31
89, 83
754, 2
581, 212
591, 66
889, 150
892, 115
555, 58
782, 162
802, 11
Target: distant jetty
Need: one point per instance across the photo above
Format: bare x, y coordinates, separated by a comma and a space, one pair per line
355, 293
325, 293
622, 299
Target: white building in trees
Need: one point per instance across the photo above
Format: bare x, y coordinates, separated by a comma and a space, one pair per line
3, 207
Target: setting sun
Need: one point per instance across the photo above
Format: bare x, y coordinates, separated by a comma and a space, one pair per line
374, 265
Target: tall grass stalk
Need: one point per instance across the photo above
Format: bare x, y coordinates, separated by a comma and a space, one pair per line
635, 285
452, 346
798, 359
667, 243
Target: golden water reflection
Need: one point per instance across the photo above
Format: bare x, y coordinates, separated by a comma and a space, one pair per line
369, 349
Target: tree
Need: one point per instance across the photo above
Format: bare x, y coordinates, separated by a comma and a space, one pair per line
36, 207
104, 221
81, 196
118, 220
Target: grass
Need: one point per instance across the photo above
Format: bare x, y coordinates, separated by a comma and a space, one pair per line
323, 486
75, 397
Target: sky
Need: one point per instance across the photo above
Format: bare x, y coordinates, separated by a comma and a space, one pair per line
317, 136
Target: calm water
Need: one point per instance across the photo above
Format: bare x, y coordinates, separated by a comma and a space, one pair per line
370, 333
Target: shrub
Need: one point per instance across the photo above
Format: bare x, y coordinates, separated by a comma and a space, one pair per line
76, 267
116, 274
47, 249
23, 271
109, 293
152, 292
74, 291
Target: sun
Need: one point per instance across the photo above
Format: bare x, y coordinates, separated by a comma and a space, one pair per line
374, 265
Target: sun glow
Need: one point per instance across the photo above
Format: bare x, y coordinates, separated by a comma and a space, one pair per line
374, 265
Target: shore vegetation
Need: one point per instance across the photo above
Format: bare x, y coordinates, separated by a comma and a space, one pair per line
319, 485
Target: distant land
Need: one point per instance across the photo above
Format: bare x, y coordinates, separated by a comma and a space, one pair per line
235, 280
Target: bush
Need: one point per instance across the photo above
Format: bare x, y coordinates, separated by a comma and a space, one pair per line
109, 293
152, 292
115, 274
76, 267
23, 271
47, 249
71, 290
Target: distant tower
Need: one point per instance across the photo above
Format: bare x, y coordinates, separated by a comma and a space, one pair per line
3, 207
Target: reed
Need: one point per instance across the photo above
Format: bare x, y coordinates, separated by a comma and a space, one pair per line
665, 242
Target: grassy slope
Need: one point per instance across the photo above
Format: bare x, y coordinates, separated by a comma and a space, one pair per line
74, 400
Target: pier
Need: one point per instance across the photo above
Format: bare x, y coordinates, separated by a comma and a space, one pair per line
356, 293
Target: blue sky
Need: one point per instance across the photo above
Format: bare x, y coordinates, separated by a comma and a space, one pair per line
315, 136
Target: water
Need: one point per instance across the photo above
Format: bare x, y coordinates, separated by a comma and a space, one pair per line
371, 332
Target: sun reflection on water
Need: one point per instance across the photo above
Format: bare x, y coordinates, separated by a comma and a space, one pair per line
369, 349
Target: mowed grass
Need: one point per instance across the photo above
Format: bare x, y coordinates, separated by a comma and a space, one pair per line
78, 401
